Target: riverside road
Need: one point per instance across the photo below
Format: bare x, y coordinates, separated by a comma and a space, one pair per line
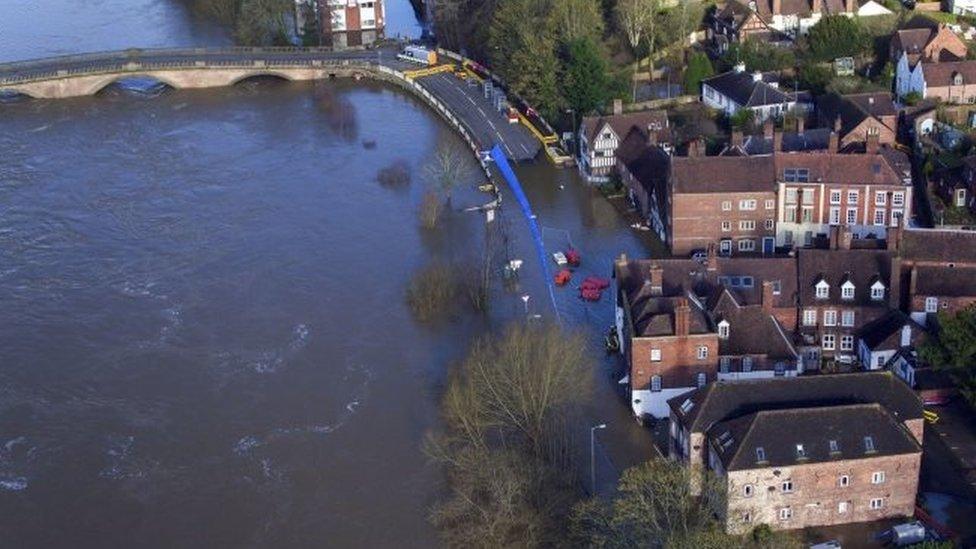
210, 67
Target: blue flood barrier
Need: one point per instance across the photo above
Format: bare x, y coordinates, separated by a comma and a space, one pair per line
503, 166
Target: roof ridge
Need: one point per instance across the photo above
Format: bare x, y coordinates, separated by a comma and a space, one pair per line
804, 409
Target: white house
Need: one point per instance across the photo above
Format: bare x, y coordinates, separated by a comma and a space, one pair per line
736, 90
600, 136
880, 340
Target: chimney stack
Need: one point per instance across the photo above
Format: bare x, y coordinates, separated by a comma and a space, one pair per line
657, 280
872, 143
651, 137
737, 138
777, 7
712, 259
835, 237
767, 297
682, 317
768, 129
817, 6
849, 6
846, 238
618, 106
696, 147
777, 141
894, 234
837, 124
894, 291
832, 146
800, 123
912, 281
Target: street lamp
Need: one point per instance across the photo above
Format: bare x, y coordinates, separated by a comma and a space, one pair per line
593, 456
525, 300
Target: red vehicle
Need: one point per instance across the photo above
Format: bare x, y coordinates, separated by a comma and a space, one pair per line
573, 257
562, 277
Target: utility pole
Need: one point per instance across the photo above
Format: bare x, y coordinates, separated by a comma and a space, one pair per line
593, 456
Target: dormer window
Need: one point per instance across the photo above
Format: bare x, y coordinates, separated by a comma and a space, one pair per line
877, 291
800, 452
822, 289
957, 79
723, 329
847, 290
834, 447
760, 454
869, 445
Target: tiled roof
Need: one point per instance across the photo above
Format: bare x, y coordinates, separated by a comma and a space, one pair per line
623, 123
825, 434
945, 281
816, 139
854, 109
872, 169
655, 315
648, 164
862, 267
721, 401
885, 332
746, 91
723, 174
752, 331
938, 245
939, 75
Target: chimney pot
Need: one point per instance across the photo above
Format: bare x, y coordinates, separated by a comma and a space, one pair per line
872, 143
657, 279
835, 237
712, 260
833, 145
618, 106
777, 7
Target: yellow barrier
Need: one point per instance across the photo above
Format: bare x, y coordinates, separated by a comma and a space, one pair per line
545, 139
420, 73
930, 416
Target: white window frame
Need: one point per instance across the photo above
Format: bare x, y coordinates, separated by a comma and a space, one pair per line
726, 226
847, 290
879, 217
847, 318
726, 205
770, 224
702, 352
829, 342
723, 329
747, 205
809, 317
835, 215
830, 317
898, 200
655, 384
785, 513
787, 486
876, 504
851, 216
880, 198
878, 477
747, 245
842, 508
852, 197
655, 355
844, 481
770, 204
877, 291
747, 491
822, 290
931, 304
747, 224
835, 196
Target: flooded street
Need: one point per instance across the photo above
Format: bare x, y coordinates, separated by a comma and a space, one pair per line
204, 337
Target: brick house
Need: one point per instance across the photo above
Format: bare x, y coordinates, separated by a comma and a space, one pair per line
948, 81
600, 136
684, 323
737, 22
925, 40
725, 200
856, 116
346, 23
867, 193
840, 290
810, 451
933, 270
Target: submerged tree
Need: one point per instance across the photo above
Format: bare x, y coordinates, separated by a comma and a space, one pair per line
448, 168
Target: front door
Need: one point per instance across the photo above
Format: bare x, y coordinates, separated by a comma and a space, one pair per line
769, 244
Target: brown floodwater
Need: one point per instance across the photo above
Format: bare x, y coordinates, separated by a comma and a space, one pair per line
203, 334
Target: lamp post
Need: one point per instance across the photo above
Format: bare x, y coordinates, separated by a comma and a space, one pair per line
593, 456
525, 301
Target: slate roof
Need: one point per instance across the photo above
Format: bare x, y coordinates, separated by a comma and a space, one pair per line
655, 315
938, 245
855, 108
945, 281
752, 331
722, 401
778, 432
885, 332
746, 91
648, 164
816, 139
877, 169
623, 123
862, 267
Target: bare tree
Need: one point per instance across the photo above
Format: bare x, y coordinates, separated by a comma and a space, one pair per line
575, 19
634, 17
449, 167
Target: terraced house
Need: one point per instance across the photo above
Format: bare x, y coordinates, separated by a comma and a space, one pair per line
811, 451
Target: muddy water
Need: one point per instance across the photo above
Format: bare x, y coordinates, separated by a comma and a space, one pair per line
203, 337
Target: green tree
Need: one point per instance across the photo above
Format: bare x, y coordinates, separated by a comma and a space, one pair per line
522, 50
263, 22
815, 78
585, 80
699, 68
759, 56
954, 349
837, 36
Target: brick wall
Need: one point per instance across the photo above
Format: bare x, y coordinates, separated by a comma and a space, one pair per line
696, 220
679, 364
817, 493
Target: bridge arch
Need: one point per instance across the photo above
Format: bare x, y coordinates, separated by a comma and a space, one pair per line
99, 84
261, 74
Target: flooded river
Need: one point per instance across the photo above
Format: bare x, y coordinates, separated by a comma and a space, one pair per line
203, 335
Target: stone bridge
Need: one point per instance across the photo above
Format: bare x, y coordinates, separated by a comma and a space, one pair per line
461, 104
